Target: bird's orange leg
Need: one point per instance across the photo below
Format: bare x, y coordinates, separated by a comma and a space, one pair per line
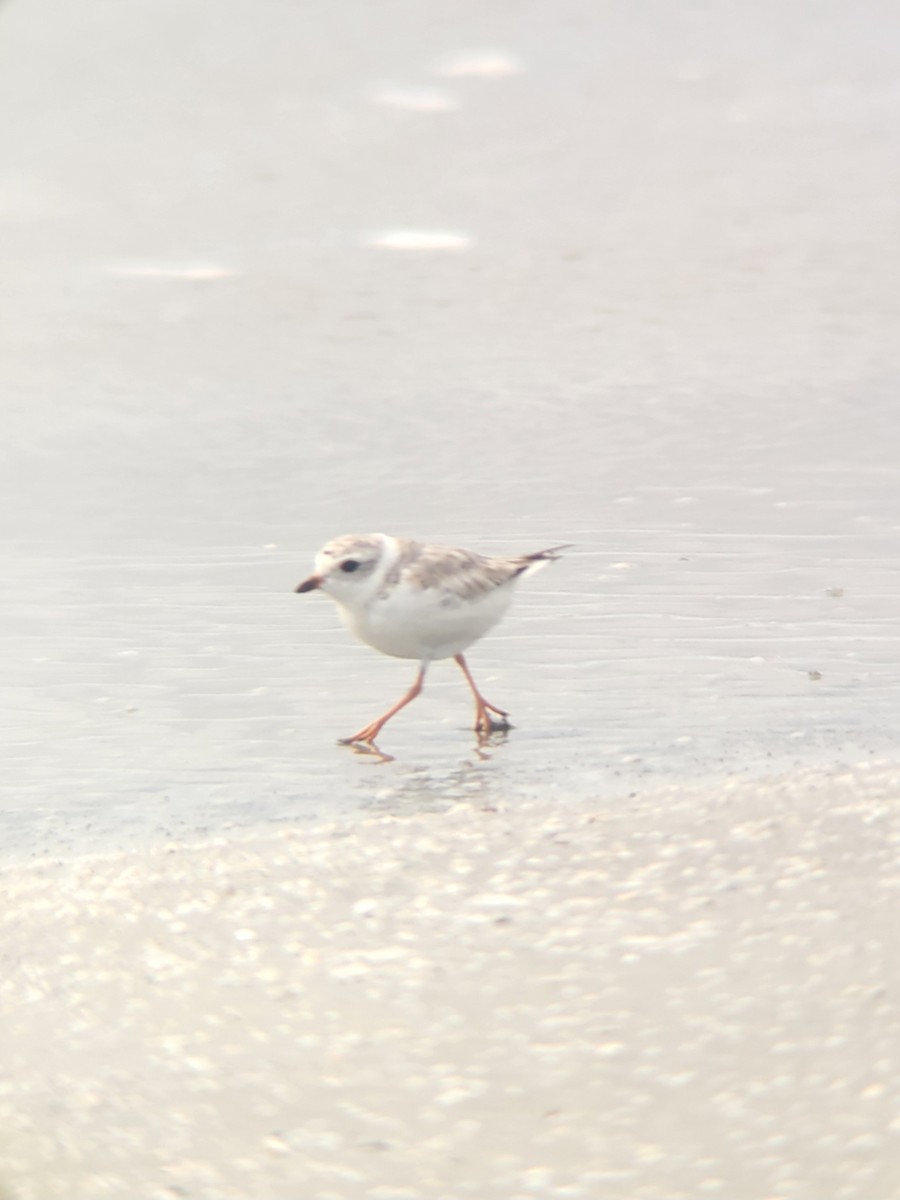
483, 722
372, 730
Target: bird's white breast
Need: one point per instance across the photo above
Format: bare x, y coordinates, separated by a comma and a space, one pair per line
425, 623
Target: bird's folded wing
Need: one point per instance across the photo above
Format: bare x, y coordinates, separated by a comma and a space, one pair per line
462, 573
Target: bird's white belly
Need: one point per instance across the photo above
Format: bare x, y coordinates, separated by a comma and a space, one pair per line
427, 623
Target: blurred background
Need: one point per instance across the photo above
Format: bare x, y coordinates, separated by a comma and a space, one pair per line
500, 275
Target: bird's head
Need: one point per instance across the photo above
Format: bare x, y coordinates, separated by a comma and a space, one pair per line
345, 567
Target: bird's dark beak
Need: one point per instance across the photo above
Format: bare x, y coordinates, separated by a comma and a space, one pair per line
309, 585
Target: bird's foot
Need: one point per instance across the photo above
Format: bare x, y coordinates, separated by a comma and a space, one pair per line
485, 723
366, 735
365, 745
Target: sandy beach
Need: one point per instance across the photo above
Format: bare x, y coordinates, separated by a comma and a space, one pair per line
678, 993
493, 275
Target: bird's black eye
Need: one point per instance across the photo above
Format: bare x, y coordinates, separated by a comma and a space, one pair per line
349, 565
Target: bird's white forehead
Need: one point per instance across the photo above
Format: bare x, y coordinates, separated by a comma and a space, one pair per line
365, 545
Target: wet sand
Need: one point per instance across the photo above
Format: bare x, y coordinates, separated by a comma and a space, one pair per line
666, 332
669, 994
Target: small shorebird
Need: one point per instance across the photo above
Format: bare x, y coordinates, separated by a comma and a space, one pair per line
412, 600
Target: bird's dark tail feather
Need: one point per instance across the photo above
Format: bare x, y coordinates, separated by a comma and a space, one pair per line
548, 555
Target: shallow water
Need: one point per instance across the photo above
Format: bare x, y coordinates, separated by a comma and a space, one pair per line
649, 311
187, 692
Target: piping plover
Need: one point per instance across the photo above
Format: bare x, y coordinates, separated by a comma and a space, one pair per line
411, 600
